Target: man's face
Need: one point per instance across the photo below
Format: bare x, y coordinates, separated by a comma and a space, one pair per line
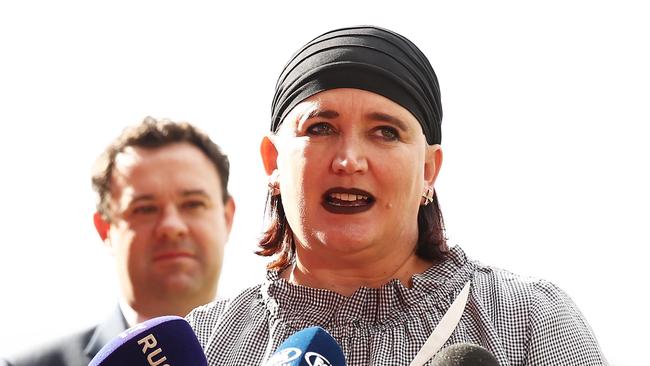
168, 228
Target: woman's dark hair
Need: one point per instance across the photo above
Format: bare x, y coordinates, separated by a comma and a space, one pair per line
278, 237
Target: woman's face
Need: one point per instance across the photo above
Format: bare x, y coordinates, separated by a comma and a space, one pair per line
352, 168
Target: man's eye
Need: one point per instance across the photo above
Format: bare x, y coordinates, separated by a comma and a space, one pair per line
387, 133
144, 210
320, 129
194, 204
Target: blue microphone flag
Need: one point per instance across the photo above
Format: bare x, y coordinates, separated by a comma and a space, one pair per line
308, 347
162, 341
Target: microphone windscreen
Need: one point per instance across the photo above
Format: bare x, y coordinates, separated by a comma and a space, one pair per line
166, 340
464, 354
308, 347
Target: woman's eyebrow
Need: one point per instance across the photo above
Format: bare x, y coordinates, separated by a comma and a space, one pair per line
383, 117
325, 113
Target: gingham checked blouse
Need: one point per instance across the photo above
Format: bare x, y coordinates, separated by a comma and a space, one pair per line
522, 321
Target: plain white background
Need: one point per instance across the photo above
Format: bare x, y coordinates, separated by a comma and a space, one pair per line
545, 136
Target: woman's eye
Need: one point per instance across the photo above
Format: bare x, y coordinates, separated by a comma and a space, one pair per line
320, 129
387, 133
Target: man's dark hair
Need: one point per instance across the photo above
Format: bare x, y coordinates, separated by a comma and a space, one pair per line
153, 134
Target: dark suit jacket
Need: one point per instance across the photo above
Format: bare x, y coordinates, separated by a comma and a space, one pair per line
77, 349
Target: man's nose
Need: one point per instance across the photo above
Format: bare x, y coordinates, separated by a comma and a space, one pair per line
171, 225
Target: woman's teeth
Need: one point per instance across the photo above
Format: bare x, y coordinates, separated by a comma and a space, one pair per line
350, 197
353, 201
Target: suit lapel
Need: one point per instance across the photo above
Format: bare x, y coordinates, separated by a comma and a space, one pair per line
105, 332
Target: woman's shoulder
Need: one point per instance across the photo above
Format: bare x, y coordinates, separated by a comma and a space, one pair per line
513, 284
511, 290
207, 318
539, 312
527, 300
491, 280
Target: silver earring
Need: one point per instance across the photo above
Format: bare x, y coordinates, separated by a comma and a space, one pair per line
274, 185
427, 196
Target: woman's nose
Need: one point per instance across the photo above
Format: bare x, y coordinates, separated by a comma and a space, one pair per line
350, 159
171, 225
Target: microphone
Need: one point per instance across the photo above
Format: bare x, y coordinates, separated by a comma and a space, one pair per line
308, 347
161, 341
464, 354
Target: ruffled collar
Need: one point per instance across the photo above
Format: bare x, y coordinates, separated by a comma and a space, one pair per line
301, 306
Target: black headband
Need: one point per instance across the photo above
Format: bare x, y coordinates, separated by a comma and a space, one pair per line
368, 58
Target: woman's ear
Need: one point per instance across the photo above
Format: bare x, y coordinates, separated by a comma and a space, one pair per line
269, 154
432, 164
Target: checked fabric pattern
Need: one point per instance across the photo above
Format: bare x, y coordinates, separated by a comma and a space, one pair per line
523, 321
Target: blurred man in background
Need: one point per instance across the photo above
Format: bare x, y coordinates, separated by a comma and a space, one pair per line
164, 212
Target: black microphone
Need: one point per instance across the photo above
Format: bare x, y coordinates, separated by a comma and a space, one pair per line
162, 341
464, 354
308, 347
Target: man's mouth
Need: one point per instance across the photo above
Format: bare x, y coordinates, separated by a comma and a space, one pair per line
347, 200
165, 256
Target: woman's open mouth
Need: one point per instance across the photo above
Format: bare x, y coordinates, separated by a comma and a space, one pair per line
347, 200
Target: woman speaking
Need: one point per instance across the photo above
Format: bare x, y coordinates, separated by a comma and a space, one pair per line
356, 235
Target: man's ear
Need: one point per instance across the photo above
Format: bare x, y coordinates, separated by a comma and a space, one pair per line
269, 154
432, 164
229, 213
101, 226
